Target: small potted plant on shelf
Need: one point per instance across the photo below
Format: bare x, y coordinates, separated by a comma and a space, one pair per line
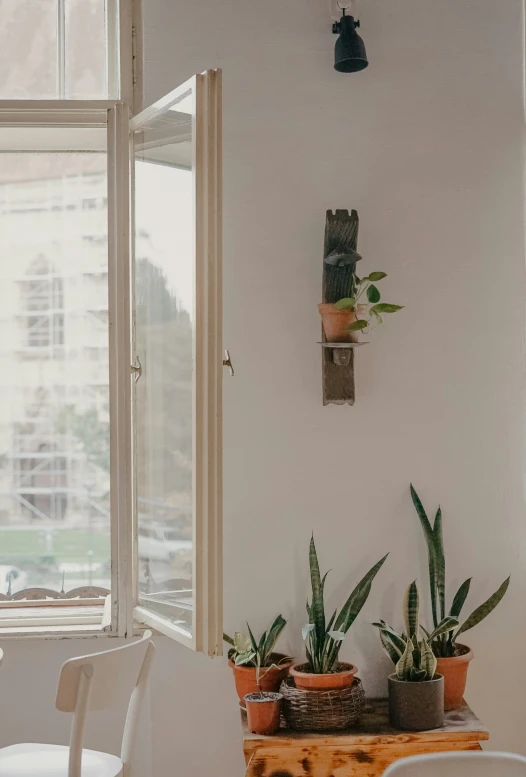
248, 658
416, 692
345, 319
263, 707
323, 637
453, 657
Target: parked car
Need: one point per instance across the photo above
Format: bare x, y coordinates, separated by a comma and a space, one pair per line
157, 544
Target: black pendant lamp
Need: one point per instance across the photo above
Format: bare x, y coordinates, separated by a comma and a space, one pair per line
349, 51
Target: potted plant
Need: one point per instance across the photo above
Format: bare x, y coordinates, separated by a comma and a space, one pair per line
416, 692
453, 656
263, 712
263, 707
323, 670
247, 657
345, 319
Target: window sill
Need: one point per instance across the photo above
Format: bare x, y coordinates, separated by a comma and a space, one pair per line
59, 623
55, 620
74, 631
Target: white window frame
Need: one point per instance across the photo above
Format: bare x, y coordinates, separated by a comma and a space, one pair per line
119, 49
207, 633
123, 51
114, 117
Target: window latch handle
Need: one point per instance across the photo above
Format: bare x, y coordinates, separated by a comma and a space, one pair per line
227, 362
137, 369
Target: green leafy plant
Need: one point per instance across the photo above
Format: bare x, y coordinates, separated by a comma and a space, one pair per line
411, 651
324, 639
366, 311
444, 645
246, 651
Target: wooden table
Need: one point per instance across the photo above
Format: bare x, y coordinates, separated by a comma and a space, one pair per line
363, 751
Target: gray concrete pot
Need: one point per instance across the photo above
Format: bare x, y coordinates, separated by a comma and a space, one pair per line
416, 706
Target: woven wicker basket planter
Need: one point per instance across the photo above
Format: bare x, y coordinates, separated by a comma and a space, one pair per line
321, 710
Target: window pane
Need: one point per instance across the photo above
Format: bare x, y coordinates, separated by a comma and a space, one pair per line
38, 62
165, 324
54, 423
85, 49
28, 42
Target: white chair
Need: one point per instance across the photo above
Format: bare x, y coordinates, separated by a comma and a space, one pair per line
463, 764
87, 683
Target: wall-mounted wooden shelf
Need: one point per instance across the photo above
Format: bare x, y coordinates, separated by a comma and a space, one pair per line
341, 352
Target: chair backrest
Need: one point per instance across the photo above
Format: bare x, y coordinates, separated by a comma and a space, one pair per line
91, 683
464, 764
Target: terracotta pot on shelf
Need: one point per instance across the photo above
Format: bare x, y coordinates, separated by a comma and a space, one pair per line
416, 706
270, 680
263, 712
455, 672
335, 323
309, 681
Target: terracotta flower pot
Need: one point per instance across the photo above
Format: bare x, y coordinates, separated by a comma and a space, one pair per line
342, 678
416, 706
455, 672
335, 323
263, 711
245, 676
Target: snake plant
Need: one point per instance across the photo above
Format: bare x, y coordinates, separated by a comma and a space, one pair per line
324, 638
246, 651
411, 651
444, 645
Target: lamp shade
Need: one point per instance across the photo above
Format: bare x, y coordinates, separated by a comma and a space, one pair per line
349, 51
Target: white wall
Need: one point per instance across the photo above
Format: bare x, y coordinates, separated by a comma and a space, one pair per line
427, 145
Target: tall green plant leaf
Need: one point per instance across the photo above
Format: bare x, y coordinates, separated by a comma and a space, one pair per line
484, 609
460, 598
331, 621
428, 533
273, 636
261, 646
317, 606
405, 664
253, 641
448, 624
357, 599
396, 638
389, 647
411, 605
428, 662
440, 563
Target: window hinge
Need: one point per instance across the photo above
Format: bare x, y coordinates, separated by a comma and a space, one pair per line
137, 369
134, 55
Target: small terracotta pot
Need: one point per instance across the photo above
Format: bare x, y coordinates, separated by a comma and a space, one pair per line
416, 706
245, 676
335, 323
343, 678
455, 672
263, 712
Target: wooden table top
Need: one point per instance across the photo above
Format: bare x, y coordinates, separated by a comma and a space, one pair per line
374, 728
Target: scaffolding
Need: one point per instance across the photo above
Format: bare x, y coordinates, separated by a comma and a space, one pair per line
57, 349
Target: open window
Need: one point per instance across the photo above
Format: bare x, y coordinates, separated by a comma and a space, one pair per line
177, 348
110, 420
